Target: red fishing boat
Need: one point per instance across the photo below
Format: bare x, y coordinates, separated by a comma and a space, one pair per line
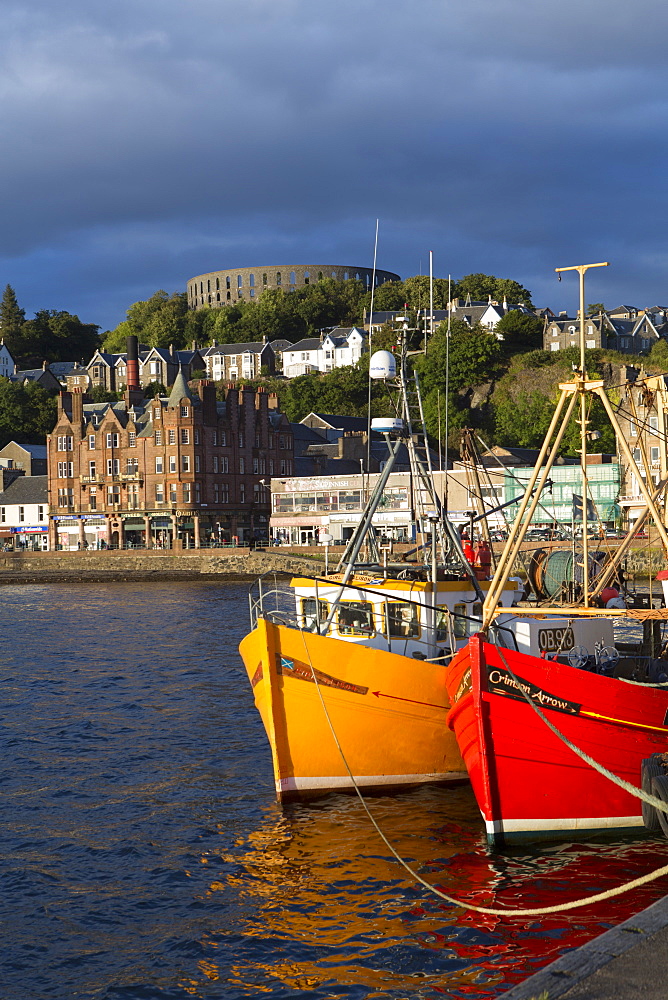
551, 712
527, 780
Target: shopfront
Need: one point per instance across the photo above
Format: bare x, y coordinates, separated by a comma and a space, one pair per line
33, 538
134, 532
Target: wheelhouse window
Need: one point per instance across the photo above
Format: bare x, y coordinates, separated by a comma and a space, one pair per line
355, 618
403, 620
311, 617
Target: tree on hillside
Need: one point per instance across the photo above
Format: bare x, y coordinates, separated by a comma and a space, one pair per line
54, 336
520, 331
474, 357
417, 292
12, 318
388, 297
27, 412
483, 286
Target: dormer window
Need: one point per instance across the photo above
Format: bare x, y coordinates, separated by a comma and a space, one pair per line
184, 411
156, 414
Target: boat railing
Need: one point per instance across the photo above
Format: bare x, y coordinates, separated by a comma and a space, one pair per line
359, 614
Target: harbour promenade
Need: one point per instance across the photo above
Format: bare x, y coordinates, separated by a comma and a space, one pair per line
628, 962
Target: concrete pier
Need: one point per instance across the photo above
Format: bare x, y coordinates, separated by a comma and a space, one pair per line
629, 962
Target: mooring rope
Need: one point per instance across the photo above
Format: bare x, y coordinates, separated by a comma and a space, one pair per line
505, 912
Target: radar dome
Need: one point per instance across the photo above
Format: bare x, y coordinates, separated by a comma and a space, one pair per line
383, 364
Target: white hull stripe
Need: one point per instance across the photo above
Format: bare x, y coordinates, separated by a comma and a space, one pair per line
312, 784
577, 823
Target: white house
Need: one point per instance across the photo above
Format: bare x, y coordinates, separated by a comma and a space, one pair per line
234, 361
7, 364
24, 513
336, 349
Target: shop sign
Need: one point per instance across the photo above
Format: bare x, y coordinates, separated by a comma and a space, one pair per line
161, 522
133, 520
28, 530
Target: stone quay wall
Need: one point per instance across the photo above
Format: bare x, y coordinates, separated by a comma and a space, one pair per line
141, 564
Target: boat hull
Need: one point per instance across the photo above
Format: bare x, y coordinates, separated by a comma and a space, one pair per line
528, 783
380, 713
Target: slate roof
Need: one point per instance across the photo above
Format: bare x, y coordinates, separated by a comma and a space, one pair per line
341, 423
309, 344
180, 390
36, 450
255, 347
26, 489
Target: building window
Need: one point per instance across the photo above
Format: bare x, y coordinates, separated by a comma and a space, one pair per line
132, 466
22, 514
65, 470
215, 463
197, 464
113, 495
242, 466
65, 497
197, 436
172, 492
242, 493
158, 438
91, 442
159, 493
92, 498
172, 463
112, 440
132, 439
224, 465
184, 411
158, 465
241, 439
224, 493
215, 439
3, 515
256, 492
91, 470
185, 463
223, 439
185, 435
40, 512
198, 493
186, 492
654, 425
65, 442
216, 493
172, 436
256, 466
156, 414
654, 456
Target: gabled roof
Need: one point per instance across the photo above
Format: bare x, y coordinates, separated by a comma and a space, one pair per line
26, 489
340, 423
255, 347
36, 450
310, 344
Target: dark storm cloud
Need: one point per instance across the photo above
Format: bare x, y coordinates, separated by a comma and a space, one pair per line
151, 140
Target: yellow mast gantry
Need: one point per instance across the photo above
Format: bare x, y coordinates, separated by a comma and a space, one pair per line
580, 386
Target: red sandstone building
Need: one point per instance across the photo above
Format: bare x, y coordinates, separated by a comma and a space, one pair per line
184, 470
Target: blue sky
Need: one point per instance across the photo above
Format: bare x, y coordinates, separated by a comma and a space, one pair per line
147, 141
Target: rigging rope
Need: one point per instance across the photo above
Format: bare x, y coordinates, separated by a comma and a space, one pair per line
506, 911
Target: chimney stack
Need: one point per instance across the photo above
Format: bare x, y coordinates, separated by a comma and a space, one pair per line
132, 363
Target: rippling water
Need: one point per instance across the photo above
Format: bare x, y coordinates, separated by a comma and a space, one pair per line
143, 855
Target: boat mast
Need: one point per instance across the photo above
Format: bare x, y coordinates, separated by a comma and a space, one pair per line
582, 269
